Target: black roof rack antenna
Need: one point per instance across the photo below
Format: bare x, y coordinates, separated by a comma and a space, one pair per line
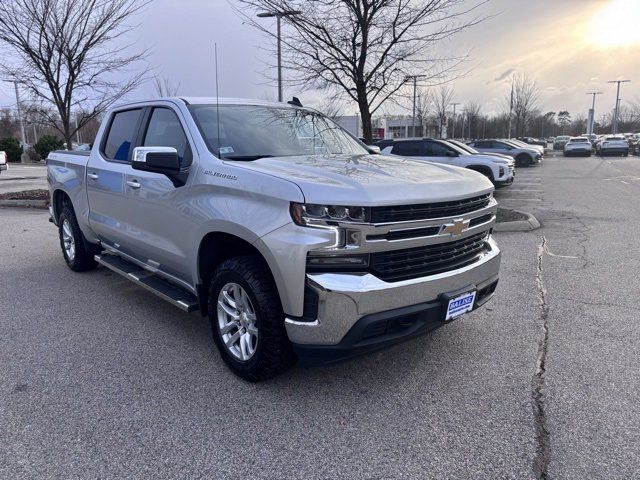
295, 102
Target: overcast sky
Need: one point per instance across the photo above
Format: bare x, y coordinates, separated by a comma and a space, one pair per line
569, 46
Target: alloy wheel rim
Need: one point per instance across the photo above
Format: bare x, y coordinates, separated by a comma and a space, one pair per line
68, 241
237, 322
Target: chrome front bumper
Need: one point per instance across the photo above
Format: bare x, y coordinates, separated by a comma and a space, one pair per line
346, 298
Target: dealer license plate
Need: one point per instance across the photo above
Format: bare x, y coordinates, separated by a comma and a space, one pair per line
460, 305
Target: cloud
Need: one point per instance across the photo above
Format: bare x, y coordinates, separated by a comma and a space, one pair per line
502, 76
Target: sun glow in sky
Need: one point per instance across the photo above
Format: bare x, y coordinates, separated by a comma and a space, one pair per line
617, 24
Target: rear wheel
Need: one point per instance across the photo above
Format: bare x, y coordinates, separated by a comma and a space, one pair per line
77, 252
247, 319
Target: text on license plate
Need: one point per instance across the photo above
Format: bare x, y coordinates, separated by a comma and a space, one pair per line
459, 305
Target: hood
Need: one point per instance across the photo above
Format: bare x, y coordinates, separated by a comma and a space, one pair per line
370, 180
501, 158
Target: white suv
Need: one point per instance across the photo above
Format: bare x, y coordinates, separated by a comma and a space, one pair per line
3, 161
613, 144
497, 169
577, 146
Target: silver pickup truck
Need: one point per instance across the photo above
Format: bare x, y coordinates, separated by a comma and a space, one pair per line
296, 239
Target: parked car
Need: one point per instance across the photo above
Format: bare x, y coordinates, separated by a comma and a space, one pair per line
534, 141
523, 156
473, 151
593, 138
634, 143
277, 224
578, 146
522, 144
560, 141
3, 161
613, 145
499, 170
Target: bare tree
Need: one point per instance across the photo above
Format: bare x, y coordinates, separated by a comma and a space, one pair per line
165, 88
441, 101
423, 109
564, 119
525, 99
64, 58
472, 112
365, 48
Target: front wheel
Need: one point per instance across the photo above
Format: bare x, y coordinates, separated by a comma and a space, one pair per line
247, 319
523, 160
77, 252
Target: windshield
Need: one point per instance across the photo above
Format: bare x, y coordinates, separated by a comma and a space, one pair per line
455, 147
249, 132
465, 147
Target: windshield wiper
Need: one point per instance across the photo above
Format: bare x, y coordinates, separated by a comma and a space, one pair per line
246, 158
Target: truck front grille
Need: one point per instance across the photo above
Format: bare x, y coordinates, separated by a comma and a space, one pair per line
428, 260
425, 211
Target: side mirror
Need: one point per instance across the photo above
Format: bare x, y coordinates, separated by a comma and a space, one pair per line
451, 154
373, 149
156, 159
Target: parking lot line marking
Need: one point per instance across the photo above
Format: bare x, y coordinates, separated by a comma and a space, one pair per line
626, 183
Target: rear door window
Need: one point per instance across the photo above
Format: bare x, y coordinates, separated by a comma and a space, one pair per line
435, 149
118, 143
411, 148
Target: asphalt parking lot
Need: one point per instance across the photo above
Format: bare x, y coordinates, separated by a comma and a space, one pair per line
23, 177
102, 379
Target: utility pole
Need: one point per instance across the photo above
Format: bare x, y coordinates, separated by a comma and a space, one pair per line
592, 112
453, 132
279, 16
510, 109
614, 123
19, 107
413, 115
77, 130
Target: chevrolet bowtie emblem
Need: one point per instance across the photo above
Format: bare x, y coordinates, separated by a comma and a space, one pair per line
457, 227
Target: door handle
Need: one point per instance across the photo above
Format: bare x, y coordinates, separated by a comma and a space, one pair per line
92, 176
133, 183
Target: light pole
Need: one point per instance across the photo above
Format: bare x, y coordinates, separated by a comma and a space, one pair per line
413, 115
614, 124
453, 129
19, 106
279, 16
592, 112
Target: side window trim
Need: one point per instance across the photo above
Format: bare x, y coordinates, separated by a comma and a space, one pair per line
134, 137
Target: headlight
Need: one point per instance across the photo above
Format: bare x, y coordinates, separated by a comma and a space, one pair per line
323, 263
307, 214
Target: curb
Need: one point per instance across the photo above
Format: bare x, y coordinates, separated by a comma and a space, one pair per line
531, 223
24, 203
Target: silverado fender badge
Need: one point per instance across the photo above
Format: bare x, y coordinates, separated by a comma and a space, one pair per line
220, 175
457, 227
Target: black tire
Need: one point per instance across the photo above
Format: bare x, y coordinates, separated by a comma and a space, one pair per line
626, 154
84, 251
523, 160
273, 352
